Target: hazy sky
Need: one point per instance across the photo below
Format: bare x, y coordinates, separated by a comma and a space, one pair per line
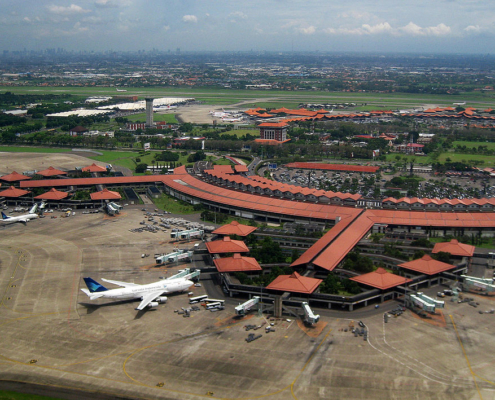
453, 26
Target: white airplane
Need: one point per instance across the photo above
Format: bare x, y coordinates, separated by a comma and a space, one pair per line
150, 294
224, 119
459, 104
121, 90
220, 114
21, 218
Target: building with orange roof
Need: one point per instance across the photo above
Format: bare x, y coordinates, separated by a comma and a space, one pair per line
14, 177
273, 131
52, 194
94, 168
50, 171
294, 283
235, 228
427, 265
105, 194
226, 245
241, 169
13, 192
455, 248
333, 167
237, 263
380, 279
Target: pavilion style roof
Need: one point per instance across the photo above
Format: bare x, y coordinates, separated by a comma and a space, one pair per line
427, 265
226, 245
237, 263
295, 283
52, 194
235, 228
105, 194
94, 168
380, 279
50, 171
14, 192
455, 248
14, 177
241, 168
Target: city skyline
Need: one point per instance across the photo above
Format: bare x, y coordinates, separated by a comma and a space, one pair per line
445, 26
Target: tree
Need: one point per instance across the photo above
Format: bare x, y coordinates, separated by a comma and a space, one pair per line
141, 168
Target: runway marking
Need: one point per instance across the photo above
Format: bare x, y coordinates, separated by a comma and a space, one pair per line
12, 276
465, 356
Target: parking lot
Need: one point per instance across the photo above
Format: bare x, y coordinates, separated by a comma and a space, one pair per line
52, 334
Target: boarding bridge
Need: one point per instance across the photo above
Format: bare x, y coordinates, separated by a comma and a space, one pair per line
309, 316
115, 205
186, 274
243, 308
187, 234
438, 303
484, 285
423, 302
170, 257
111, 210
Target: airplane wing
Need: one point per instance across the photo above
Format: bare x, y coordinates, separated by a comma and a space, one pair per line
118, 283
147, 299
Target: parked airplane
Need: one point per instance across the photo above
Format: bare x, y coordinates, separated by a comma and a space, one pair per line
220, 114
459, 104
150, 294
121, 90
21, 218
226, 119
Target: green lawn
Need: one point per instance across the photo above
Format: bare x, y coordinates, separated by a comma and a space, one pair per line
218, 96
474, 145
173, 205
6, 395
21, 149
459, 157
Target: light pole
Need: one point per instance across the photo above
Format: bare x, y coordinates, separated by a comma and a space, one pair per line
491, 254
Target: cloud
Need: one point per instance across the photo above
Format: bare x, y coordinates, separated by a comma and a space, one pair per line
166, 28
237, 15
26, 19
190, 18
472, 29
411, 29
72, 9
111, 3
310, 30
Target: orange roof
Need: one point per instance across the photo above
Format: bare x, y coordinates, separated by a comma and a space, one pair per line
52, 194
50, 171
270, 142
235, 228
13, 192
237, 263
427, 265
295, 283
280, 124
226, 245
94, 168
455, 248
265, 115
380, 279
241, 168
226, 169
14, 177
105, 194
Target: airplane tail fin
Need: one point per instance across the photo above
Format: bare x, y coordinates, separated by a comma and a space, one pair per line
4, 216
94, 286
33, 208
92, 296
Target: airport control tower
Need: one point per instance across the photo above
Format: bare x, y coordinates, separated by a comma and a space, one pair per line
149, 112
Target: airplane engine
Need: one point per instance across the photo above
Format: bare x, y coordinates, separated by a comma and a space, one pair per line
153, 304
162, 299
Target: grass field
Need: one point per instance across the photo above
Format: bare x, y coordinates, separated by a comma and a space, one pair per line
459, 157
21, 149
5, 395
474, 145
217, 96
172, 205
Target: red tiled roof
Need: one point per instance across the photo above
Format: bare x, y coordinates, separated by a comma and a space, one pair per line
270, 142
105, 194
455, 248
295, 283
427, 265
226, 169
280, 124
333, 167
380, 279
226, 245
241, 168
237, 263
14, 177
50, 171
94, 168
13, 192
235, 228
117, 180
52, 194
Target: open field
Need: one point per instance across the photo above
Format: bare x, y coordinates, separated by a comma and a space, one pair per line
214, 96
474, 145
169, 118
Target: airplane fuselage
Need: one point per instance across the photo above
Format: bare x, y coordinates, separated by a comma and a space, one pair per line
137, 292
21, 218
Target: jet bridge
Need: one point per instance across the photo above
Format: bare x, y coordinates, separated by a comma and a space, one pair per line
186, 274
309, 316
424, 302
188, 234
175, 256
243, 308
478, 285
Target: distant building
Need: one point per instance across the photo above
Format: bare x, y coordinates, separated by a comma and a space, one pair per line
273, 131
77, 131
